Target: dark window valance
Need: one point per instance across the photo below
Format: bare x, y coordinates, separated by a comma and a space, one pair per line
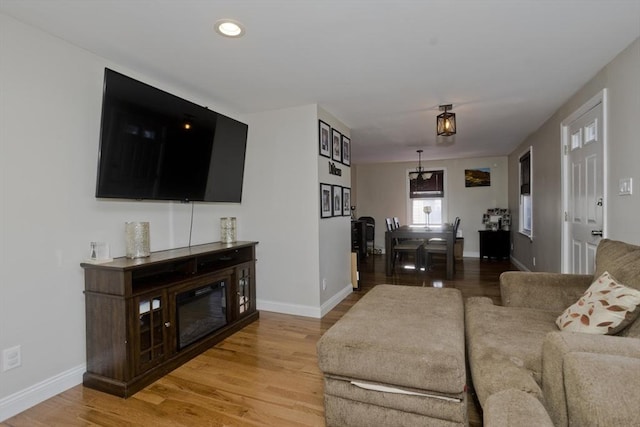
426, 184
525, 173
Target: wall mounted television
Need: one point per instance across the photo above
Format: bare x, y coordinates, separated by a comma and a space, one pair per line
157, 146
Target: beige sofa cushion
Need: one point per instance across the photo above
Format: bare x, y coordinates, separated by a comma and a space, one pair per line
605, 308
602, 389
622, 260
504, 346
405, 336
557, 345
511, 407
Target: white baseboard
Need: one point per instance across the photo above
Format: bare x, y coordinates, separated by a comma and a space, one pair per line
518, 264
305, 310
37, 393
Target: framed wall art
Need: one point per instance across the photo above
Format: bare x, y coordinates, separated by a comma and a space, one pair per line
346, 150
324, 138
326, 210
480, 177
346, 201
337, 200
336, 152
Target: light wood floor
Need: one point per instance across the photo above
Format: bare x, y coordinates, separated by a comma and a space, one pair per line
264, 375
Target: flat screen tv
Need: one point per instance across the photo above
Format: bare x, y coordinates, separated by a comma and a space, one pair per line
157, 146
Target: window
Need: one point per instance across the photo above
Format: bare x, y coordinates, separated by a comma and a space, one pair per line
427, 189
526, 204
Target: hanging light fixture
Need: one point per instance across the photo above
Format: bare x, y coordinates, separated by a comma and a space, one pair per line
446, 121
420, 173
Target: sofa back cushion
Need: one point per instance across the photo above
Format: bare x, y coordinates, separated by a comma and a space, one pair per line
622, 260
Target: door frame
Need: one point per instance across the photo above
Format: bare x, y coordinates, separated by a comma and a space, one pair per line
600, 97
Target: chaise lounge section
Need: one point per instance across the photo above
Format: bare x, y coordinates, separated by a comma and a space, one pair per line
526, 371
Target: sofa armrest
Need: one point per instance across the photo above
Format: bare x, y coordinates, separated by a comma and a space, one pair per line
602, 389
544, 291
557, 345
514, 407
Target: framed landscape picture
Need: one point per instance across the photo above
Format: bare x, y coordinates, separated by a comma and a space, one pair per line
346, 201
336, 152
346, 150
479, 177
325, 139
337, 200
326, 210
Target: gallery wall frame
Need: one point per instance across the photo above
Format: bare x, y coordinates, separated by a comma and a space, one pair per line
326, 207
346, 201
336, 151
337, 200
324, 139
346, 151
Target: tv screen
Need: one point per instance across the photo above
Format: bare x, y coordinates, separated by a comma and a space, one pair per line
157, 146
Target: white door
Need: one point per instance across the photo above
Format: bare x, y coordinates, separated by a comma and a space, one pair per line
585, 198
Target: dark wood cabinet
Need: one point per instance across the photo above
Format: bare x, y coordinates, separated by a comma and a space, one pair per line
494, 244
137, 322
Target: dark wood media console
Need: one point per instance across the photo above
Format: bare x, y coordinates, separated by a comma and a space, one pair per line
137, 323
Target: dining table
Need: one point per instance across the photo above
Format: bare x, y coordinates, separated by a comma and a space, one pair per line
425, 233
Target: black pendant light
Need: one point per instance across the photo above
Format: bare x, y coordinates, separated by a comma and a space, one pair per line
419, 174
446, 121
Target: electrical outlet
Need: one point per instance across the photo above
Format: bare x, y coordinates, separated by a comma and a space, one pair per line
324, 284
534, 261
11, 358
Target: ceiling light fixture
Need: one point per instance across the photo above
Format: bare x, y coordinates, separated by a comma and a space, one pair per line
420, 173
229, 28
446, 122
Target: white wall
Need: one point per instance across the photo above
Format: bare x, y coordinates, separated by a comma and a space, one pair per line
335, 232
50, 105
621, 77
382, 192
49, 129
281, 208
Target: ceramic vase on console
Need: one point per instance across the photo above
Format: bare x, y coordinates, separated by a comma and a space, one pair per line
137, 239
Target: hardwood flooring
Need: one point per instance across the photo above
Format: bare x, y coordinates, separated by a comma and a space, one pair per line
264, 375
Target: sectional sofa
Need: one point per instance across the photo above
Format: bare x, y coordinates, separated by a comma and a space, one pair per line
562, 349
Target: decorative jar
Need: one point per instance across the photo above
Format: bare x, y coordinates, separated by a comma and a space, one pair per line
228, 229
137, 239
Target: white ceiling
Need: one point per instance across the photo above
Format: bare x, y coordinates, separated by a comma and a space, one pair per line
380, 66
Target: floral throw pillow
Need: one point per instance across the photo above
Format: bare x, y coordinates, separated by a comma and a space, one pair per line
606, 307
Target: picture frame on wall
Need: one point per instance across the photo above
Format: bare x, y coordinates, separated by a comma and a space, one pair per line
324, 138
346, 201
346, 151
326, 209
336, 152
478, 177
337, 200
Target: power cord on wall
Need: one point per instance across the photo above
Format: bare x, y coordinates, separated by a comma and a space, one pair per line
191, 225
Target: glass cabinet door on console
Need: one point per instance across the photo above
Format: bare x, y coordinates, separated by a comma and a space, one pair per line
150, 331
245, 291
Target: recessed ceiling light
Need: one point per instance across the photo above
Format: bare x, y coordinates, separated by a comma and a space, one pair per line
229, 28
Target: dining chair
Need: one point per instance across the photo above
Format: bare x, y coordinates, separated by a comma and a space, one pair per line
396, 225
404, 247
370, 230
438, 245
